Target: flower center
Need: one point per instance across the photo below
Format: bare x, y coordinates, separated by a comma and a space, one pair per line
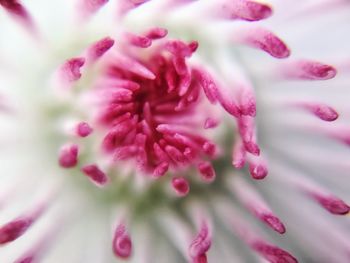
149, 114
146, 107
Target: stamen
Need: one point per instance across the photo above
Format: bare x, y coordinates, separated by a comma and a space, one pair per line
14, 229
209, 148
208, 84
180, 49
255, 203
70, 70
17, 10
68, 156
326, 199
138, 41
247, 102
274, 222
272, 253
17, 227
240, 9
320, 110
175, 154
229, 105
257, 167
180, 185
250, 236
83, 129
201, 244
95, 174
307, 70
157, 33
206, 171
333, 204
122, 245
161, 169
99, 48
265, 40
159, 152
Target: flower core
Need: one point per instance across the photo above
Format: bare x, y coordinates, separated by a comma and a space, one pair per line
150, 108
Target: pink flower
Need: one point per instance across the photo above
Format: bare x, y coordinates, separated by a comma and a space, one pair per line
128, 129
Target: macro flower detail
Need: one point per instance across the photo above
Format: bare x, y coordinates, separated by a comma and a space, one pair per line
143, 105
174, 131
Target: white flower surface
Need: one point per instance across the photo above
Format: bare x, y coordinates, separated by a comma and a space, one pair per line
252, 163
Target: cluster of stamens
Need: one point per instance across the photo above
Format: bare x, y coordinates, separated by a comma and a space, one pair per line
147, 107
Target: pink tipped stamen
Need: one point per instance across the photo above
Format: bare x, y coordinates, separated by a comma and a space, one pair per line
83, 129
230, 106
274, 222
327, 200
95, 174
247, 102
98, 49
264, 40
17, 10
14, 7
70, 70
138, 41
19, 226
200, 245
180, 185
156, 33
208, 84
161, 169
68, 156
331, 203
251, 237
14, 229
272, 253
193, 46
206, 171
257, 168
241, 9
308, 70
209, 148
122, 245
320, 110
255, 203
180, 49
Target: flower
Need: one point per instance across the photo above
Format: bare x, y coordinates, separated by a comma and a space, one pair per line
128, 129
